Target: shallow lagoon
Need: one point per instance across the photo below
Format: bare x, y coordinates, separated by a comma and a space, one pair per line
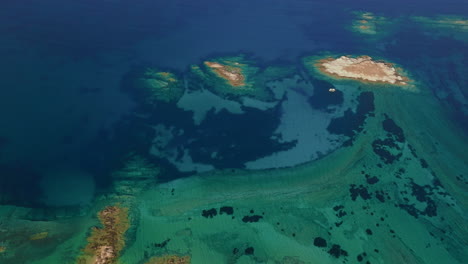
377, 176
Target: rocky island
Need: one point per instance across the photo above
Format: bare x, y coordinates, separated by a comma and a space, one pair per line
362, 68
230, 73
105, 243
228, 77
234, 77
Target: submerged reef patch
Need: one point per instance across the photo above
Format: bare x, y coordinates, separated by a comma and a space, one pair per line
210, 213
360, 190
336, 251
320, 242
150, 85
444, 25
389, 148
136, 174
373, 27
368, 23
251, 218
229, 210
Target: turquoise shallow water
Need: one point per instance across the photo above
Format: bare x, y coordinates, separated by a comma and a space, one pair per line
289, 173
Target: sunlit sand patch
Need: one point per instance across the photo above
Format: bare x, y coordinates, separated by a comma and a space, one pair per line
39, 236
362, 68
169, 260
104, 244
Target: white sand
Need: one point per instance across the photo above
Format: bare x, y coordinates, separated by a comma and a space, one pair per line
363, 68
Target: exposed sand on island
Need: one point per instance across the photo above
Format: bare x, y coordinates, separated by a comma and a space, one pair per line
362, 68
232, 74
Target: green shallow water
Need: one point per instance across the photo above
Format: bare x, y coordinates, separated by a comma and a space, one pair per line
383, 198
299, 204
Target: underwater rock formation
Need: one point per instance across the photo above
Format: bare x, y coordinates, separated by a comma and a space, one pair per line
151, 86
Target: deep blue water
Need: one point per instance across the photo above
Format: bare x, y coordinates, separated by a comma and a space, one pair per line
51, 120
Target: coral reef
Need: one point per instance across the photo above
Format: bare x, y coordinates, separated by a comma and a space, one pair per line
172, 259
106, 243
